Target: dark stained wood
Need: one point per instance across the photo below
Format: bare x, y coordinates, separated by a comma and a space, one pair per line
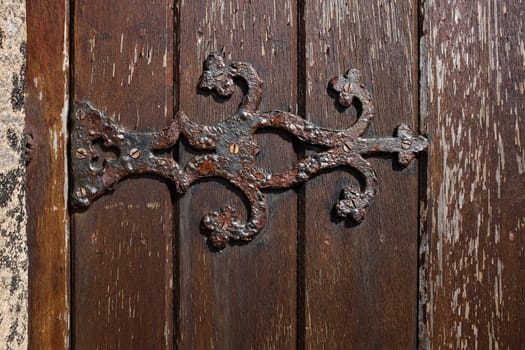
123, 250
243, 297
143, 276
474, 106
361, 282
46, 108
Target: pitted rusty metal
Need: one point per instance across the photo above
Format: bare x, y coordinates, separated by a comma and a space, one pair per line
232, 150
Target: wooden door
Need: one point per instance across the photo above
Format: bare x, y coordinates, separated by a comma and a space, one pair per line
436, 262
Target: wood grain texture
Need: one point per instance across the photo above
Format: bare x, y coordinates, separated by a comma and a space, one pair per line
123, 252
47, 99
473, 104
361, 281
243, 297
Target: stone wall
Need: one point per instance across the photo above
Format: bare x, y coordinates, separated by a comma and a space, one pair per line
13, 249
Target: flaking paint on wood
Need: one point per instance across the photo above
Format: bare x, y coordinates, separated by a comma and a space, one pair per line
473, 75
360, 282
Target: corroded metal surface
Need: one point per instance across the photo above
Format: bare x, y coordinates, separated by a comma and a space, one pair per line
103, 153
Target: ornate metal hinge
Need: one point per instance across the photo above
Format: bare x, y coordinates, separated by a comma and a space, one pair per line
103, 152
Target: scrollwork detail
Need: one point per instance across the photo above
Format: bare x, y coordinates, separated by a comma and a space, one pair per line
232, 150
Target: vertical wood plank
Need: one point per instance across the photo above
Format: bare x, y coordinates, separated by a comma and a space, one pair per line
361, 281
243, 297
123, 261
474, 106
47, 100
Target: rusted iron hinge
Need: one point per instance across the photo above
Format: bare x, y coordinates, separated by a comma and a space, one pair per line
102, 152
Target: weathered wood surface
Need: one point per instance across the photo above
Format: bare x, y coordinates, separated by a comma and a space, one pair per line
473, 105
243, 297
143, 274
122, 282
46, 109
361, 281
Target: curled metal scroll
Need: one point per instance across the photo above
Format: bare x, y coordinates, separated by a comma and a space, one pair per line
232, 150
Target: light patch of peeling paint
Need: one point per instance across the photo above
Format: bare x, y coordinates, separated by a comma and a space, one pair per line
471, 97
64, 141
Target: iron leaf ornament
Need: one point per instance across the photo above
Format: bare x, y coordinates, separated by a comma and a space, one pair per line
231, 150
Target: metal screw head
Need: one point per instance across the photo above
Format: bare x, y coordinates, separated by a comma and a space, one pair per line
405, 144
346, 148
82, 153
234, 148
80, 192
134, 153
